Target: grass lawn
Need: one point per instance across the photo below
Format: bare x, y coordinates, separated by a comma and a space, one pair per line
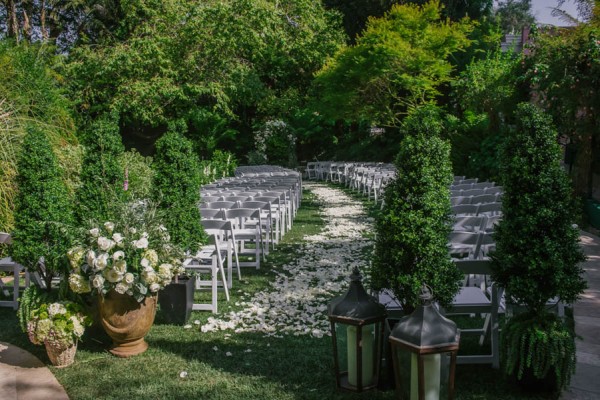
228, 365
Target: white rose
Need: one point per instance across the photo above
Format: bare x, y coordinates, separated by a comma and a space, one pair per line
142, 243
98, 281
149, 276
117, 237
155, 287
105, 244
129, 278
91, 257
144, 262
120, 266
109, 226
95, 232
121, 288
132, 230
118, 255
113, 276
101, 262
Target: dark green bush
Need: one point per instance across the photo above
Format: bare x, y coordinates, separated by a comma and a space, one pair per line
412, 231
43, 213
101, 173
537, 255
177, 186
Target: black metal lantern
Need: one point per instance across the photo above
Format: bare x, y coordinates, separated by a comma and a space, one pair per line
424, 348
357, 331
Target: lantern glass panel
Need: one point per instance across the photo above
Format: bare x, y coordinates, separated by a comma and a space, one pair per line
436, 370
348, 348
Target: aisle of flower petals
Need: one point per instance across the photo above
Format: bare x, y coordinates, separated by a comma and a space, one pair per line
297, 301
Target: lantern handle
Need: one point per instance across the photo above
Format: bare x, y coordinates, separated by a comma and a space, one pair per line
426, 295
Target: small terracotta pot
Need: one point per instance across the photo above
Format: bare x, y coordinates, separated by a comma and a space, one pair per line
127, 322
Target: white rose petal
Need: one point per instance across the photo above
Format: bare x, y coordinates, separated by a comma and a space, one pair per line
188, 326
228, 354
155, 287
183, 374
95, 232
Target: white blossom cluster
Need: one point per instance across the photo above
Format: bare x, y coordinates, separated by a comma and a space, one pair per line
297, 300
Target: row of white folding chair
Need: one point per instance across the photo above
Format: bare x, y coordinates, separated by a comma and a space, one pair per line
479, 223
473, 185
211, 259
478, 199
271, 211
476, 192
489, 209
470, 245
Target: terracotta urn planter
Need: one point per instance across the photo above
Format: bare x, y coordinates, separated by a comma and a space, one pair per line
127, 322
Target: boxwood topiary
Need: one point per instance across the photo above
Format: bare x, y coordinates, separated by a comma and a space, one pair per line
43, 209
177, 187
412, 232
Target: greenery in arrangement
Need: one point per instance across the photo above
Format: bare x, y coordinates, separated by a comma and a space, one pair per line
543, 345
177, 186
62, 323
43, 216
31, 299
412, 231
399, 61
101, 175
537, 255
133, 256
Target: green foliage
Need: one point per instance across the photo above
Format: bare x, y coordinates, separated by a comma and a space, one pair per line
541, 344
565, 70
30, 300
515, 15
30, 94
139, 173
43, 215
221, 165
177, 186
400, 61
101, 174
412, 231
275, 143
206, 63
537, 253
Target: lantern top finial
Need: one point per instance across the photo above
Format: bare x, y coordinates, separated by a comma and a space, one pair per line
426, 295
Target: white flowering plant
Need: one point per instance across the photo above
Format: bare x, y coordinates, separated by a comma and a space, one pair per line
129, 260
62, 323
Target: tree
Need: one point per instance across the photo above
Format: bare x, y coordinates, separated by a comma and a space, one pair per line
564, 73
399, 62
101, 175
412, 231
515, 15
537, 253
43, 216
177, 189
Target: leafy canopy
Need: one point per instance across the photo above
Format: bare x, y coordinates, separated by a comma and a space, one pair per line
400, 61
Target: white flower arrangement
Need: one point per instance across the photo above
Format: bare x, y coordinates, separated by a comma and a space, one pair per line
128, 260
61, 323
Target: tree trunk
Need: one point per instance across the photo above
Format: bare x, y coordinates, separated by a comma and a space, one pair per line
11, 17
26, 26
43, 20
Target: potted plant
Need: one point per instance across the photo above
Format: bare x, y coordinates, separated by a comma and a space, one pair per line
177, 298
537, 255
125, 264
412, 231
58, 326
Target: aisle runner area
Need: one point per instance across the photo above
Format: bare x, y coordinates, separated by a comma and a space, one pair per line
297, 300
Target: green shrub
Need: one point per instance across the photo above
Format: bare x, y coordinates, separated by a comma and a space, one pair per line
139, 173
537, 253
412, 231
541, 345
43, 216
177, 186
101, 173
222, 164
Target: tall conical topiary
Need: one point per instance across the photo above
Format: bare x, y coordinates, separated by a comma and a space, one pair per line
537, 248
411, 248
101, 174
43, 210
177, 188
537, 255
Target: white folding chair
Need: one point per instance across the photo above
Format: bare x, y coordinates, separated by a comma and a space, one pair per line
246, 226
8, 265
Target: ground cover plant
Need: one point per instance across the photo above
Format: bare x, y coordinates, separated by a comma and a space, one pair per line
291, 367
